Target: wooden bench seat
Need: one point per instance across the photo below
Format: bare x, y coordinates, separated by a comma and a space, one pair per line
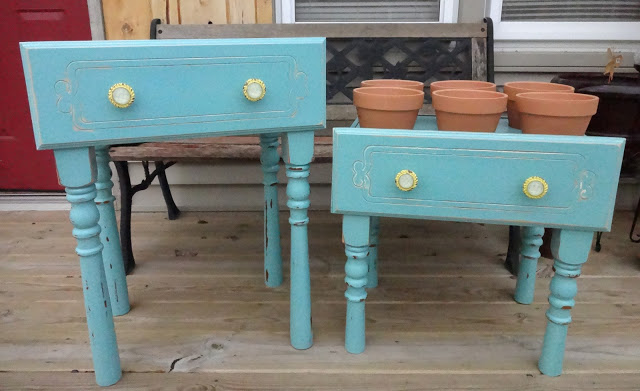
208, 149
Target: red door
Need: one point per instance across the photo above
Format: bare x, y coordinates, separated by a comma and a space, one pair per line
22, 167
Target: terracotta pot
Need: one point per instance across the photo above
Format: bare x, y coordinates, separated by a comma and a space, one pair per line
417, 85
387, 107
468, 110
461, 85
555, 112
515, 87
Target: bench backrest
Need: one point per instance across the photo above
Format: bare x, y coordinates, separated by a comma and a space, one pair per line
359, 51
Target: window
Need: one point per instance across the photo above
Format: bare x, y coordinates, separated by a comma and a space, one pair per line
361, 11
615, 20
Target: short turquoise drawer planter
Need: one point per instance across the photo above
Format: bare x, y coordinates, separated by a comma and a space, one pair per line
566, 183
86, 96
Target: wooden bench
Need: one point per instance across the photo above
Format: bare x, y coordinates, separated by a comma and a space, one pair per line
417, 51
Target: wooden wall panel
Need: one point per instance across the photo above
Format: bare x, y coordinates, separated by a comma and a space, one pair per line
241, 11
264, 11
129, 19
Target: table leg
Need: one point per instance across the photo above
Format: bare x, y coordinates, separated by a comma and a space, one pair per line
297, 154
272, 252
570, 250
77, 173
529, 248
372, 258
109, 236
355, 231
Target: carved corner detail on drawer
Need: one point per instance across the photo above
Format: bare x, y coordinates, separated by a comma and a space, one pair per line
301, 89
63, 94
360, 174
586, 183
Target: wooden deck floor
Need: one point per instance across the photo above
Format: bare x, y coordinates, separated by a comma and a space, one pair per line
442, 318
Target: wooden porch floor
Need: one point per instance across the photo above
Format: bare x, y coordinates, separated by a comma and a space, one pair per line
442, 318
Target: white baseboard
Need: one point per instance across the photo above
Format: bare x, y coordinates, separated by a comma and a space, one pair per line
33, 201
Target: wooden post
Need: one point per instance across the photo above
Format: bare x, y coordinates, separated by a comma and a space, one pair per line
526, 284
269, 159
355, 231
109, 236
77, 173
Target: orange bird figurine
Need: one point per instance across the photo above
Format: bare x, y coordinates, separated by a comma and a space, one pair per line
614, 62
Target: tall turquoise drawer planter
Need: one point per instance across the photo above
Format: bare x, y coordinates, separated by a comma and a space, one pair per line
567, 183
86, 96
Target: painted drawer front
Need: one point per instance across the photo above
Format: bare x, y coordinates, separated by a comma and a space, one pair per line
181, 88
466, 176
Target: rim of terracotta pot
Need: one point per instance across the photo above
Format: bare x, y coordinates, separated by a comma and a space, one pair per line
469, 101
399, 83
462, 84
557, 104
513, 88
388, 98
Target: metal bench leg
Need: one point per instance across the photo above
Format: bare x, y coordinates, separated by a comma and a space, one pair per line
512, 262
172, 209
126, 195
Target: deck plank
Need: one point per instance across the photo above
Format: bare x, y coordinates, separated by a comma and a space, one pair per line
202, 318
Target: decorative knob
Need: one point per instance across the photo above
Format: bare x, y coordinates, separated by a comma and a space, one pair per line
535, 187
254, 89
121, 95
406, 180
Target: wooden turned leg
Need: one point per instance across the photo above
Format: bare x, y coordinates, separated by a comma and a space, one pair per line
570, 250
372, 276
529, 249
272, 252
297, 153
109, 236
355, 230
77, 172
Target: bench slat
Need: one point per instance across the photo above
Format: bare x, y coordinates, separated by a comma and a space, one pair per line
215, 148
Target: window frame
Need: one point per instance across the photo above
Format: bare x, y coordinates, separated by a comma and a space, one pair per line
286, 12
560, 31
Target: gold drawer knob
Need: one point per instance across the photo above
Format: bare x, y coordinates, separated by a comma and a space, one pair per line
406, 180
121, 95
254, 89
535, 187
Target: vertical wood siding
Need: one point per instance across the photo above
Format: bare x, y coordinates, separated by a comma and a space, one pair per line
129, 19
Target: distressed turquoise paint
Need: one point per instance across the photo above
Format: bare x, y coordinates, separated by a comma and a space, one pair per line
269, 159
76, 169
531, 241
109, 236
570, 250
372, 258
478, 177
183, 88
355, 231
297, 152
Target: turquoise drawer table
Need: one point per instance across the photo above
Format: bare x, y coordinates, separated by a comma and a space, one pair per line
86, 96
567, 183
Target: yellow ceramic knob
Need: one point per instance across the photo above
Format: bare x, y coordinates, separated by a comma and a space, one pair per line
535, 187
406, 180
121, 95
254, 89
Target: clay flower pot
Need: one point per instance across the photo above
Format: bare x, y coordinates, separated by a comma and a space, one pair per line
417, 85
515, 87
555, 112
468, 110
387, 107
461, 85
